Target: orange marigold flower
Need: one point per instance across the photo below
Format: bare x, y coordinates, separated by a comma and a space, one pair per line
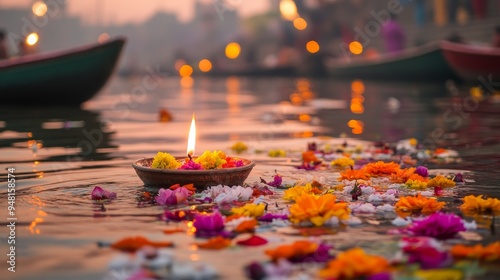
246, 226
309, 156
353, 175
317, 210
478, 205
489, 253
402, 175
440, 181
354, 264
132, 244
418, 204
215, 243
297, 249
381, 168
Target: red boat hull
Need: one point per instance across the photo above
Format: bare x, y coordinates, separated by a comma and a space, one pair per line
471, 62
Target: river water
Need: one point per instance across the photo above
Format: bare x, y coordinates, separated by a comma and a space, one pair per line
60, 154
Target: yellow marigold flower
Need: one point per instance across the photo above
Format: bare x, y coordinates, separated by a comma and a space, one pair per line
381, 168
402, 175
299, 248
478, 205
353, 175
239, 147
165, 161
418, 204
354, 264
415, 184
440, 181
317, 210
413, 141
211, 160
277, 153
342, 162
250, 210
479, 252
294, 192
416, 177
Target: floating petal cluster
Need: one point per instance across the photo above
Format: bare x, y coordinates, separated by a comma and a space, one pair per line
438, 225
490, 252
99, 193
300, 251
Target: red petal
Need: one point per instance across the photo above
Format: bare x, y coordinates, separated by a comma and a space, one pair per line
253, 241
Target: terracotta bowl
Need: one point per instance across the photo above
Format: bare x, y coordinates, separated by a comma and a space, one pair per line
164, 178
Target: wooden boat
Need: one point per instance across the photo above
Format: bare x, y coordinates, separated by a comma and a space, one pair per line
425, 63
471, 62
65, 78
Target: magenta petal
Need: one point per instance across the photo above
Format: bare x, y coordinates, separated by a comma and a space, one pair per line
99, 193
253, 241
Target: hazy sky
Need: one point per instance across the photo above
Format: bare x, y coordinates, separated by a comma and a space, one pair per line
123, 11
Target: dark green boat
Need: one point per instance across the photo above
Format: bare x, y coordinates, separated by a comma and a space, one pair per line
425, 63
61, 78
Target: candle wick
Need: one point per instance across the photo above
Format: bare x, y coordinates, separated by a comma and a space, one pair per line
190, 157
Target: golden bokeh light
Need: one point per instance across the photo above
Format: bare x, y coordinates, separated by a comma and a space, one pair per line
300, 23
103, 38
39, 8
312, 46
233, 50
356, 47
32, 39
357, 126
205, 65
358, 87
304, 117
288, 9
186, 70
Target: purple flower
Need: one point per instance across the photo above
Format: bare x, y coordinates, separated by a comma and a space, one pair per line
209, 225
422, 171
428, 257
277, 180
438, 225
255, 271
459, 178
191, 165
239, 163
270, 217
309, 166
99, 193
312, 146
322, 254
380, 276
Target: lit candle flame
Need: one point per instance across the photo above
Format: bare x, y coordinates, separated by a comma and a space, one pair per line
192, 138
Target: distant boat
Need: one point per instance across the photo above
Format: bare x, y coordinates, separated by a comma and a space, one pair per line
471, 61
59, 78
425, 63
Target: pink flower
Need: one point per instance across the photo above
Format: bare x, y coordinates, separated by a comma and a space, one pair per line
191, 165
99, 193
422, 171
172, 197
438, 225
209, 225
277, 180
427, 256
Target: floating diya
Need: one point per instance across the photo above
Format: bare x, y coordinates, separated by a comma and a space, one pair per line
210, 169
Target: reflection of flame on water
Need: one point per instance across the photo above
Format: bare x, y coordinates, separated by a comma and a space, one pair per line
191, 229
356, 125
33, 228
357, 99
